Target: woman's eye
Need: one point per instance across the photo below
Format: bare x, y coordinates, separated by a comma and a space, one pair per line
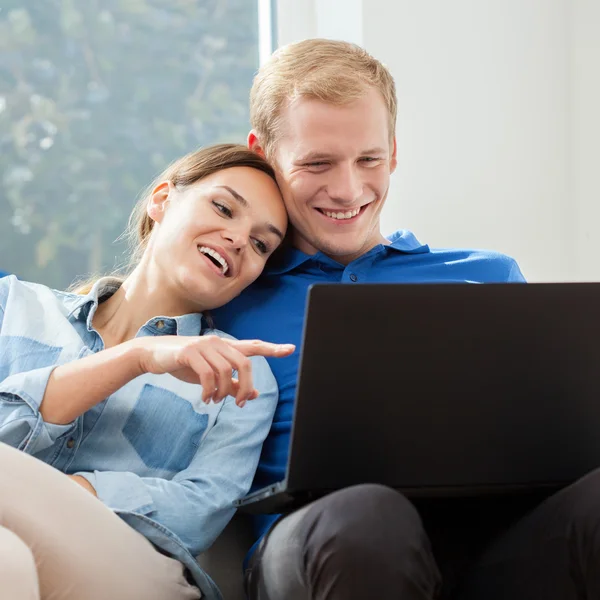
223, 209
261, 246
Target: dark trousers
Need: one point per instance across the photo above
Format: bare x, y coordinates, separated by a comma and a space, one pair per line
369, 541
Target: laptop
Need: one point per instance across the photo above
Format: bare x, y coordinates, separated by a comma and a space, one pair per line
443, 389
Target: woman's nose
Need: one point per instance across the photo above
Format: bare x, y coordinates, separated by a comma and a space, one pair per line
236, 238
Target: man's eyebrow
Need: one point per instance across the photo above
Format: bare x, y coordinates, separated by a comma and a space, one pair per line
241, 200
314, 156
376, 150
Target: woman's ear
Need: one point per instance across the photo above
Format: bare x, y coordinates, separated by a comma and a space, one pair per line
157, 205
254, 144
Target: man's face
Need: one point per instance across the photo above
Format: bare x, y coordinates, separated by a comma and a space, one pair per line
334, 165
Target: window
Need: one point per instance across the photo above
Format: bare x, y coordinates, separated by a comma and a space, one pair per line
96, 97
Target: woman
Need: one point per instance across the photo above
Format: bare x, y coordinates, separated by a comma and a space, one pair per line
131, 398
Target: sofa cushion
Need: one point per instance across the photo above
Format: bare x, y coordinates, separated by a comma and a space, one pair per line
223, 561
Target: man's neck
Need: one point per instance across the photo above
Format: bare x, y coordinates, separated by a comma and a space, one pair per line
340, 257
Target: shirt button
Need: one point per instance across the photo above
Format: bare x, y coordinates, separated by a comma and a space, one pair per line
353, 277
160, 324
70, 443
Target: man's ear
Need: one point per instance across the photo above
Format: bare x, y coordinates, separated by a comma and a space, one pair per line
254, 144
157, 205
394, 159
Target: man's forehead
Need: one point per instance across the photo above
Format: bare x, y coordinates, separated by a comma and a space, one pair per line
325, 143
318, 129
303, 107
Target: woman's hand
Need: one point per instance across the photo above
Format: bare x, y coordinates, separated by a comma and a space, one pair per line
208, 360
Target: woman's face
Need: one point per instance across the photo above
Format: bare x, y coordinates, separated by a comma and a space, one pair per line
211, 239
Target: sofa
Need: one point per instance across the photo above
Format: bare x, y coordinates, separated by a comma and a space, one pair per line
223, 561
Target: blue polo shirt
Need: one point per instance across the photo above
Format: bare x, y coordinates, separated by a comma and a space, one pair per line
272, 309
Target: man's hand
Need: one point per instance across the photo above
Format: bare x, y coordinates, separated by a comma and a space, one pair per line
84, 483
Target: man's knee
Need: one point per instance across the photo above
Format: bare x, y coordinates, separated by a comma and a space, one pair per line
18, 572
365, 510
362, 541
365, 522
581, 502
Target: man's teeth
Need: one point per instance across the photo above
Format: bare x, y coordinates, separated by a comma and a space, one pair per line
342, 215
216, 256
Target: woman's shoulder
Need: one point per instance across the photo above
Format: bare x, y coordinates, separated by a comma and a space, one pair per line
27, 295
5, 284
11, 287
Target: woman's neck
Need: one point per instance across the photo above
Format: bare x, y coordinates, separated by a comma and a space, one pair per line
139, 299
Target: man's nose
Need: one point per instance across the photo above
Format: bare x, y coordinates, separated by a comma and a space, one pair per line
346, 185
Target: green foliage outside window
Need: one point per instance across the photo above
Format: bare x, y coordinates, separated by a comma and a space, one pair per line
96, 97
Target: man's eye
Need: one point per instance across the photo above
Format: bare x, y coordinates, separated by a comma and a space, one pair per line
369, 159
261, 246
223, 209
316, 164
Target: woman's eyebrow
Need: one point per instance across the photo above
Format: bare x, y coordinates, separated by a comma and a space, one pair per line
243, 202
239, 198
274, 230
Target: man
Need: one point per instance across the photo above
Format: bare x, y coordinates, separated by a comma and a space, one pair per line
324, 114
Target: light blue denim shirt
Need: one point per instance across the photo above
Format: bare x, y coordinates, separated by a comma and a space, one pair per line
166, 463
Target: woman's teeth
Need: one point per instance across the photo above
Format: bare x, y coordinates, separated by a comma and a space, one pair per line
342, 215
218, 258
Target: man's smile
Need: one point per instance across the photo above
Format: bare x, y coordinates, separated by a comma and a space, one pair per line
343, 217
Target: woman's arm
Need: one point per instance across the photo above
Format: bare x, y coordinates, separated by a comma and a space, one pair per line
40, 406
197, 503
209, 360
77, 386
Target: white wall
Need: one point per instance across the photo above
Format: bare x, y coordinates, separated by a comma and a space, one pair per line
584, 72
498, 122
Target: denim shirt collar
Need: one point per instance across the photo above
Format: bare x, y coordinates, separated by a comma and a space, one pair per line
403, 241
84, 308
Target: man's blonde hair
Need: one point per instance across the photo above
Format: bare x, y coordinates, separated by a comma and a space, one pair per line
332, 71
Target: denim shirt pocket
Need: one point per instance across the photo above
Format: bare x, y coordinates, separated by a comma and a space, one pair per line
164, 429
21, 354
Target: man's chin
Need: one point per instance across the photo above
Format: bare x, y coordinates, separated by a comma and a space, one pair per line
341, 250
336, 247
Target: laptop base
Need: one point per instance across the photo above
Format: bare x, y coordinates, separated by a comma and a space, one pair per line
276, 499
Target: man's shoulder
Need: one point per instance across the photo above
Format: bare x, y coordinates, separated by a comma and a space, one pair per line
476, 265
421, 263
264, 295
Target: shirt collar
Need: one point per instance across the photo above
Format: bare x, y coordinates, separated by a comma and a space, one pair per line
86, 305
402, 241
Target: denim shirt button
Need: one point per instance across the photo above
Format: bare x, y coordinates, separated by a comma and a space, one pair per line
160, 324
70, 443
353, 277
